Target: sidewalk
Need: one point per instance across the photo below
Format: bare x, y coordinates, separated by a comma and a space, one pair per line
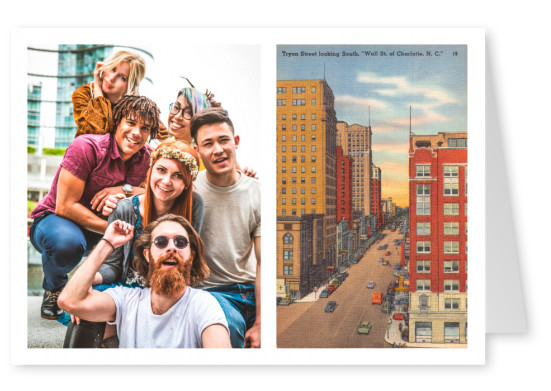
42, 333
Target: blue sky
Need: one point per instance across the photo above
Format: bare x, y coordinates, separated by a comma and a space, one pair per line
434, 86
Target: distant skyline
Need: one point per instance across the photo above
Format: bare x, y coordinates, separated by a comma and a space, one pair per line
372, 88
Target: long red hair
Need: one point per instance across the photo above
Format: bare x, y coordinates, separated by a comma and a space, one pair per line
182, 204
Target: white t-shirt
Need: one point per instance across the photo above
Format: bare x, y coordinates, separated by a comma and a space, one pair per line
231, 221
180, 327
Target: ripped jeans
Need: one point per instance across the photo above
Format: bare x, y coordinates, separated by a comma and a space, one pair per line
239, 305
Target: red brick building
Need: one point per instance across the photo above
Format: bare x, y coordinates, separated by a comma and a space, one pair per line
375, 198
344, 187
438, 238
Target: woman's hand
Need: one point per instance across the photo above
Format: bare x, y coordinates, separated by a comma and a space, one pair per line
98, 79
250, 172
111, 203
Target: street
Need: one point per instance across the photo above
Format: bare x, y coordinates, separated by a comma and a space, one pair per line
306, 325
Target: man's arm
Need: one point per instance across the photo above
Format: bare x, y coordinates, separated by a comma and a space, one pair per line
216, 336
69, 191
77, 298
252, 337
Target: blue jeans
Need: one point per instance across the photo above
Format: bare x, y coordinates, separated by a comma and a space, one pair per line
239, 305
62, 244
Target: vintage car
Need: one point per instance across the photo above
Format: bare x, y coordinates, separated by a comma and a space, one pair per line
370, 284
376, 298
331, 306
364, 328
286, 301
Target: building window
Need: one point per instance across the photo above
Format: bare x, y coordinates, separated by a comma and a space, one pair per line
299, 90
283, 190
293, 148
423, 247
288, 255
313, 190
451, 189
287, 270
313, 102
313, 127
313, 149
281, 90
313, 168
283, 148
451, 228
423, 228
451, 209
451, 285
423, 285
284, 117
451, 171
302, 117
465, 209
281, 102
303, 169
293, 201
423, 200
284, 169
294, 127
313, 89
294, 116
299, 102
451, 247
422, 170
283, 138
302, 127
423, 266
457, 143
451, 304
313, 137
313, 117
283, 200
451, 266
313, 159
313, 201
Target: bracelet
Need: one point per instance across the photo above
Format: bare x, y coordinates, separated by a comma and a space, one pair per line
113, 247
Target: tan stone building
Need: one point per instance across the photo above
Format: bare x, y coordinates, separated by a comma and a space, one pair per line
356, 143
306, 159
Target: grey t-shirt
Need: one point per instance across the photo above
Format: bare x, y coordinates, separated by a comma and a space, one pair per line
180, 327
231, 221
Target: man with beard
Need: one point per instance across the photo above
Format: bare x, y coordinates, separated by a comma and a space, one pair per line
167, 313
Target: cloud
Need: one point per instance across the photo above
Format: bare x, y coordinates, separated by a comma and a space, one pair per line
359, 102
400, 86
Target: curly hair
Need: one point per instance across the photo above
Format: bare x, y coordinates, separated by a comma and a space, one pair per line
199, 269
139, 107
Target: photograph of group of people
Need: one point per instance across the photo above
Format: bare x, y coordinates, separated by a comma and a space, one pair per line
159, 216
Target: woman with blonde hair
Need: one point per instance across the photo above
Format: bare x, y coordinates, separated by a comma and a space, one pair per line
119, 75
169, 189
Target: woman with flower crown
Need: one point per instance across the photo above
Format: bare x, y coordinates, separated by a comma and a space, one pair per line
169, 189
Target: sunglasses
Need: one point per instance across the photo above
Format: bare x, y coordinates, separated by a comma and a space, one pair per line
180, 242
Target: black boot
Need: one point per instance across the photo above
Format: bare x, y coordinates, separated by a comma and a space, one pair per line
84, 335
49, 308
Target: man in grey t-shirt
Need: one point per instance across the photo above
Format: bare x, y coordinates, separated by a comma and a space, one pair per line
168, 313
231, 226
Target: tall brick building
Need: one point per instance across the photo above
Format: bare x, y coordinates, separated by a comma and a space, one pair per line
306, 179
438, 238
375, 199
344, 187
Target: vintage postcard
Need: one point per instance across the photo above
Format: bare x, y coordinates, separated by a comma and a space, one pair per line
361, 139
372, 196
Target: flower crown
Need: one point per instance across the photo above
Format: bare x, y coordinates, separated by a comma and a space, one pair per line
172, 153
